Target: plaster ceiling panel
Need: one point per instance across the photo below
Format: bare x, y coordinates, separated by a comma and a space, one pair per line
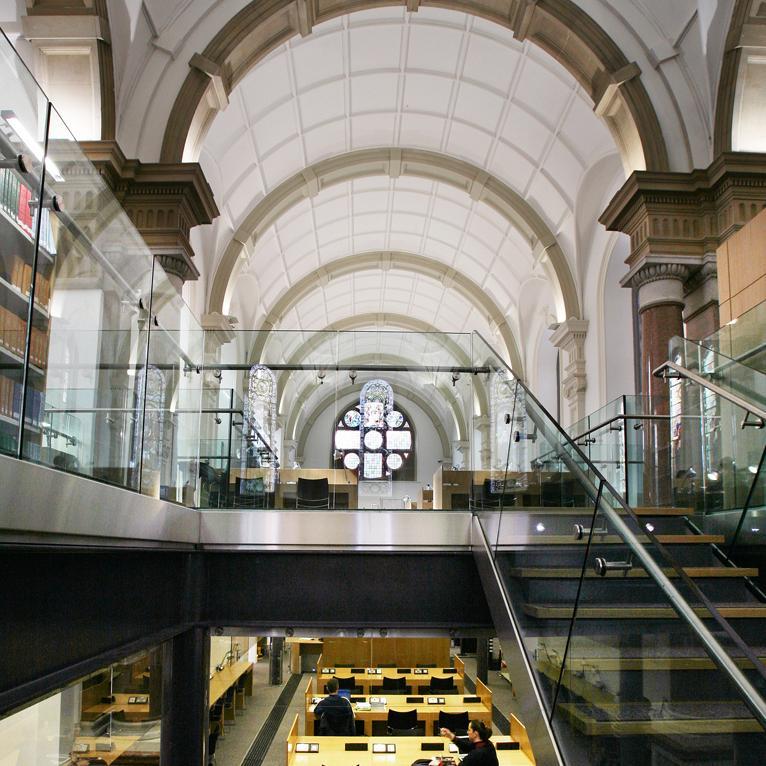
588, 136
334, 232
366, 243
297, 213
275, 127
370, 200
322, 104
448, 211
280, 164
229, 125
272, 291
427, 93
232, 163
562, 166
319, 57
374, 47
525, 130
489, 226
374, 93
332, 208
433, 46
502, 270
469, 142
331, 251
298, 247
548, 200
365, 223
409, 243
411, 202
447, 236
322, 141
509, 163
373, 130
267, 84
479, 106
544, 91
491, 62
246, 188
368, 183
407, 223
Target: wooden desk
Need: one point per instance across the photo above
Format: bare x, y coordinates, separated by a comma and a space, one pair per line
133, 712
340, 482
226, 678
127, 748
367, 680
332, 751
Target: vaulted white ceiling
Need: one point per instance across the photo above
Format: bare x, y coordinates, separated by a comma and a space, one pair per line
436, 80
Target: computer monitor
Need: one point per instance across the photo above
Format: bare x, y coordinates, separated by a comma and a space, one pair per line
345, 693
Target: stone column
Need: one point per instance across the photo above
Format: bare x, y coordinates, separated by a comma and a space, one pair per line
481, 430
569, 336
461, 454
701, 315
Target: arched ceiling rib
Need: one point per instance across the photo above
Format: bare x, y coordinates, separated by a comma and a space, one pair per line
399, 267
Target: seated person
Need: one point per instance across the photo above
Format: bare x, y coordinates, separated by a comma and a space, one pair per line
334, 713
480, 751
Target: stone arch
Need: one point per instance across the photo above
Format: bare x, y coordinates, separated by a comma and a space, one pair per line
416, 263
559, 27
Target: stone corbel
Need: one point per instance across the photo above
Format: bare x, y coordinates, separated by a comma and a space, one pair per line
570, 336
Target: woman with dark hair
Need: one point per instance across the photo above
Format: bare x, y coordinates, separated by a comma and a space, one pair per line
480, 751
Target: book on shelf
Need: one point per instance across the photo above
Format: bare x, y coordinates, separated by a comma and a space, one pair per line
16, 203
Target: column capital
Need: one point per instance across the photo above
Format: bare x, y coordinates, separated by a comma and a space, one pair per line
684, 216
570, 336
163, 200
658, 281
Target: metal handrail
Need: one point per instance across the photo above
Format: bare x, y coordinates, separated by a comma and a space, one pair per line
700, 380
750, 695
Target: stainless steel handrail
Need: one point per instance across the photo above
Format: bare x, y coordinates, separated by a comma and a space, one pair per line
700, 380
750, 695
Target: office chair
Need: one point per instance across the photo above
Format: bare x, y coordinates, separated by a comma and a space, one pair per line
455, 722
336, 723
348, 683
312, 493
404, 724
249, 493
442, 685
395, 685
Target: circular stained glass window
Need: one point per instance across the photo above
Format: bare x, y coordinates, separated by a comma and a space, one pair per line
395, 419
351, 461
352, 419
394, 461
373, 440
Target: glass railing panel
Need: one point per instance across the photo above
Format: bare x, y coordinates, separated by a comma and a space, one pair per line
742, 339
98, 279
635, 678
173, 396
22, 124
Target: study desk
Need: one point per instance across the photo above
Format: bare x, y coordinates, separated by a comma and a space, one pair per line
428, 714
310, 648
128, 749
367, 680
341, 485
133, 711
332, 751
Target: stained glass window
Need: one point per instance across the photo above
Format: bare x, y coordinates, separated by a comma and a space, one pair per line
373, 438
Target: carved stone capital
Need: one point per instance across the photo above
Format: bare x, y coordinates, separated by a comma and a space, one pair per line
687, 215
163, 200
658, 282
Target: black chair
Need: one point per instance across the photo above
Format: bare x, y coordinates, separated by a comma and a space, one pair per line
349, 683
336, 722
212, 741
487, 498
312, 493
455, 722
404, 724
394, 685
249, 493
442, 685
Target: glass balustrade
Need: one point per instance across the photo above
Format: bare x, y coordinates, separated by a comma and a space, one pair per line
629, 629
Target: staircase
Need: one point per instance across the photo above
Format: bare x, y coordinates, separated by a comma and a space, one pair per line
644, 641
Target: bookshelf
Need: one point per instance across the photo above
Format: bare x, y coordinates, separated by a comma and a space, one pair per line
17, 232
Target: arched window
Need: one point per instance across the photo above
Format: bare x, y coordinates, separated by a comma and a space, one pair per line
379, 445
260, 422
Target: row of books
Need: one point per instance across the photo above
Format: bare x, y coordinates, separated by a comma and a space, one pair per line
16, 202
20, 275
10, 402
13, 330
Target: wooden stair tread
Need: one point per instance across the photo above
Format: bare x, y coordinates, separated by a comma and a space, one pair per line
643, 612
616, 540
645, 510
574, 572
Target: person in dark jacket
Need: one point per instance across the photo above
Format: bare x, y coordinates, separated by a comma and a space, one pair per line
334, 713
479, 750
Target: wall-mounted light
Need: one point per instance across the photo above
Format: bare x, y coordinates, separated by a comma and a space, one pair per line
321, 376
455, 378
352, 376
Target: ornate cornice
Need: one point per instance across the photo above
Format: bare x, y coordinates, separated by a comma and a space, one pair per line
688, 215
656, 272
163, 200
